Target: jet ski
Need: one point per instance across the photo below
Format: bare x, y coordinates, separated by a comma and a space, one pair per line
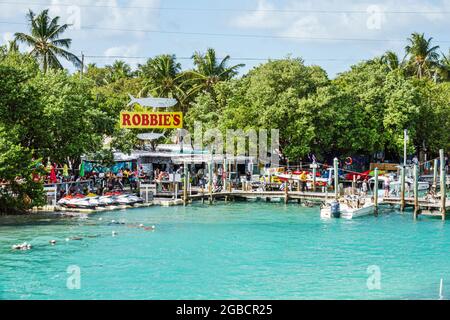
107, 201
81, 203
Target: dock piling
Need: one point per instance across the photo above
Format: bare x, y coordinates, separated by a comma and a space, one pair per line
210, 182
185, 187
443, 178
336, 178
416, 191
286, 192
375, 191
402, 188
314, 177
435, 174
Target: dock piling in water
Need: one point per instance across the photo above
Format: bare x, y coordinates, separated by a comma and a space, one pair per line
402, 188
435, 174
336, 178
416, 191
443, 178
375, 190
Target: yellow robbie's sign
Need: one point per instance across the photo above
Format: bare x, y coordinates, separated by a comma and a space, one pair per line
145, 120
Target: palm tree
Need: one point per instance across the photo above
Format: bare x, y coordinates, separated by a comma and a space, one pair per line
444, 67
118, 70
161, 77
208, 71
391, 60
45, 41
423, 57
13, 46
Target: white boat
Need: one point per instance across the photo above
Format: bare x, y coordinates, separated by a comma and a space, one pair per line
350, 207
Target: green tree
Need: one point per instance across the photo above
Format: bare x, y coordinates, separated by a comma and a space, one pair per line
444, 67
209, 70
392, 61
46, 42
19, 191
268, 97
118, 70
161, 76
423, 56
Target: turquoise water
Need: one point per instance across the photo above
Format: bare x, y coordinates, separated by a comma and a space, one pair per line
226, 251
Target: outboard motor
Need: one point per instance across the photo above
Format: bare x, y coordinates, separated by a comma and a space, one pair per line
335, 209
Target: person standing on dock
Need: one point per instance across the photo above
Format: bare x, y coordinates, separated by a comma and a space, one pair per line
364, 187
303, 181
387, 187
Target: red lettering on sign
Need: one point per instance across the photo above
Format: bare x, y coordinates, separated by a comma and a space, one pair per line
145, 120
153, 119
126, 119
176, 120
136, 119
166, 120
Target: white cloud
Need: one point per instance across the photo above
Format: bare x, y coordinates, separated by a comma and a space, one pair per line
260, 18
126, 51
122, 52
305, 27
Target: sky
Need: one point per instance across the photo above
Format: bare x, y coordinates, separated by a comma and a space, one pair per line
331, 33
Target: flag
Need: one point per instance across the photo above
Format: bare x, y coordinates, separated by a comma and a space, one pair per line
82, 169
52, 175
65, 171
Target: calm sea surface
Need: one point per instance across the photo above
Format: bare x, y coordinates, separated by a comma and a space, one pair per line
237, 250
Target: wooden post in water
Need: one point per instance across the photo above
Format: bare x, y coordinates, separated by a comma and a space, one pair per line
314, 178
286, 191
375, 190
354, 185
443, 178
435, 174
210, 176
336, 178
175, 190
186, 182
402, 188
416, 191
224, 174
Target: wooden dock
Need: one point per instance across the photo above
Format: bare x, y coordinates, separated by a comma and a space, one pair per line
263, 195
425, 207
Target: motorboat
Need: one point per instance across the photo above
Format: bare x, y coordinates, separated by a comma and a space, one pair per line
351, 206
